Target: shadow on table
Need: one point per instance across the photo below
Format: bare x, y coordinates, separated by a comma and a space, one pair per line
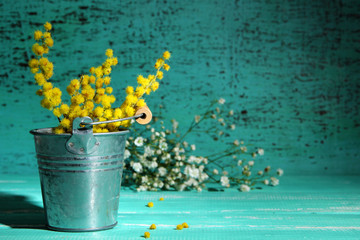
17, 211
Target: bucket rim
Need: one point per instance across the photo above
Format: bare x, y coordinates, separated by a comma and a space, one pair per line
48, 131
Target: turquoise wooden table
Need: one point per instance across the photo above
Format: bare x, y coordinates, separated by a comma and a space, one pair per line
299, 208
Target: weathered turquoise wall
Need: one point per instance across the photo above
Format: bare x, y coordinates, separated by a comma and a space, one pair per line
290, 69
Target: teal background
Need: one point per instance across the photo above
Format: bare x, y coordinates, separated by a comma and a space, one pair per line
290, 69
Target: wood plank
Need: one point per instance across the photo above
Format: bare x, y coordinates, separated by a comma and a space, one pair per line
296, 209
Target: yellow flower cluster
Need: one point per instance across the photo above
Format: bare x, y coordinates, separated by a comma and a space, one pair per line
42, 69
91, 94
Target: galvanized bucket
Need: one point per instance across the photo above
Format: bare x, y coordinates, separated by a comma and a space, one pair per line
80, 175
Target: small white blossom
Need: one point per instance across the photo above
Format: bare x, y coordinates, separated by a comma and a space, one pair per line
141, 188
127, 154
232, 126
221, 101
215, 172
251, 163
139, 141
260, 173
244, 188
192, 171
266, 182
279, 172
163, 146
236, 143
148, 151
197, 118
243, 148
239, 162
224, 181
153, 165
137, 167
274, 181
162, 171
231, 112
261, 151
193, 147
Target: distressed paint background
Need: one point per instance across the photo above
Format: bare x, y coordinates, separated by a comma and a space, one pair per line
289, 68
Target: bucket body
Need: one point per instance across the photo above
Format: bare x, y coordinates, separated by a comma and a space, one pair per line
80, 188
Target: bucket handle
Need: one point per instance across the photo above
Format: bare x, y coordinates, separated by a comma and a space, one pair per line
142, 116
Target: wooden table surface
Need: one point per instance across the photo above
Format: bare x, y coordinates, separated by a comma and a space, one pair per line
299, 208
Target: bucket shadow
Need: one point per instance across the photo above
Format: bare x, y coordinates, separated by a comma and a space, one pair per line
17, 211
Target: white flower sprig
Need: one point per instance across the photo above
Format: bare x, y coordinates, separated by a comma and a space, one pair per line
160, 159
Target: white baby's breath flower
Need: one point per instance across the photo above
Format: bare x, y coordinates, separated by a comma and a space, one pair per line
215, 171
244, 188
243, 148
236, 142
148, 151
163, 146
162, 171
153, 165
141, 188
127, 154
251, 163
231, 112
139, 141
137, 167
192, 171
217, 110
221, 101
274, 181
232, 126
158, 152
197, 118
279, 172
239, 163
266, 182
224, 181
193, 147
144, 179
261, 151
127, 143
260, 173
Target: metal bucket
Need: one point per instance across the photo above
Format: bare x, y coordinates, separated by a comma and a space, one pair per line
80, 175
